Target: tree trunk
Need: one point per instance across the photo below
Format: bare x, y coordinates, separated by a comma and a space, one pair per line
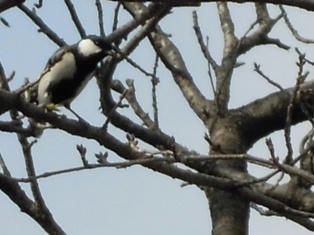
229, 212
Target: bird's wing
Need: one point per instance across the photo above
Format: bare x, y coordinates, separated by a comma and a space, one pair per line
56, 57
31, 92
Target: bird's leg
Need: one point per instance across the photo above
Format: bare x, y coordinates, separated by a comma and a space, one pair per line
52, 107
68, 107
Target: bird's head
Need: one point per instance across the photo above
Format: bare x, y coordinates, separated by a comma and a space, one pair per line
92, 46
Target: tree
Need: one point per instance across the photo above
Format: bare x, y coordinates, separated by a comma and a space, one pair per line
139, 138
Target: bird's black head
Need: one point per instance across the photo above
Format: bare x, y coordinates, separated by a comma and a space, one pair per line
94, 46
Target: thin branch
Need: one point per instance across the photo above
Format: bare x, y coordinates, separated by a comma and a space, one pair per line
3, 80
131, 97
259, 180
138, 67
199, 36
82, 151
211, 79
109, 116
259, 71
30, 169
4, 167
39, 4
115, 18
42, 26
292, 29
287, 129
155, 82
276, 42
250, 28
260, 36
205, 50
75, 18
4, 22
100, 18
118, 165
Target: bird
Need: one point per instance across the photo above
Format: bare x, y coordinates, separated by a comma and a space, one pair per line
68, 71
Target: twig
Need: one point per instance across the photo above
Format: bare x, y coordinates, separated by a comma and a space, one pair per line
270, 146
4, 22
211, 79
30, 169
155, 81
122, 96
3, 80
115, 18
39, 4
75, 18
118, 165
261, 211
82, 151
250, 28
305, 59
43, 27
11, 76
138, 67
205, 50
259, 180
258, 70
287, 129
199, 36
4, 167
292, 29
100, 18
131, 97
276, 42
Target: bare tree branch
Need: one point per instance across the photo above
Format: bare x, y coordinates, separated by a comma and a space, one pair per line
304, 4
172, 59
155, 82
42, 26
75, 18
6, 4
259, 71
292, 29
100, 18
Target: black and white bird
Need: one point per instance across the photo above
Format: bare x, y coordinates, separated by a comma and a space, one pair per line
68, 71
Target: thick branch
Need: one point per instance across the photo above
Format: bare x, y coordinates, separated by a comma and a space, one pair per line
6, 4
11, 188
304, 4
269, 113
124, 150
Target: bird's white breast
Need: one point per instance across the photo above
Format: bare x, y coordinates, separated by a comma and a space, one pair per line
65, 68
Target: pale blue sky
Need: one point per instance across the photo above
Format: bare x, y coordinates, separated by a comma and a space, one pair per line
135, 200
